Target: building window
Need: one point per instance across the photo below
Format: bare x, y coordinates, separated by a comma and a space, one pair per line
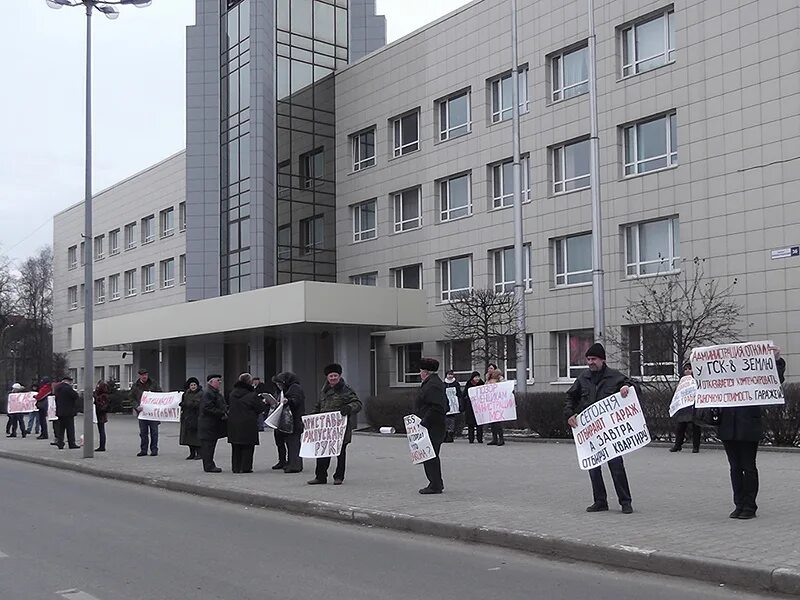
571, 167
572, 347
651, 351
408, 277
648, 44
182, 269
407, 210
168, 273
651, 145
504, 273
652, 247
503, 182
454, 116
113, 242
83, 253
99, 291
113, 373
312, 234
72, 257
82, 295
458, 358
456, 197
182, 216
128, 376
370, 279
408, 357
363, 149
502, 96
456, 276
364, 225
148, 278
130, 236
312, 167
99, 247
284, 242
148, 229
99, 373
569, 73
167, 222
113, 286
573, 260
509, 361
405, 131
130, 283
72, 297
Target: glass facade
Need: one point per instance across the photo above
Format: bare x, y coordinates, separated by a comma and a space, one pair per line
311, 44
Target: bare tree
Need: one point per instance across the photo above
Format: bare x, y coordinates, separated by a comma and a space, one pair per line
34, 291
486, 319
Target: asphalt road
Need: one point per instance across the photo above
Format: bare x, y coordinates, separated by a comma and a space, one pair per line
75, 537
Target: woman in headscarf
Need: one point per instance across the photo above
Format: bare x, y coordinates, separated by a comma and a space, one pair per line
472, 425
190, 409
101, 402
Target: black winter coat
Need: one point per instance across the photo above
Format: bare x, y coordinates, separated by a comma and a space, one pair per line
295, 396
213, 416
590, 387
67, 400
469, 413
244, 406
190, 411
431, 406
741, 424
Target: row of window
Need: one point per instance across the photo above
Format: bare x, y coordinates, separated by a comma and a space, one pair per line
647, 352
109, 288
147, 226
651, 247
646, 44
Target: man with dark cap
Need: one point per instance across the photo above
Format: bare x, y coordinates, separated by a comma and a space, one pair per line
45, 390
431, 407
336, 395
67, 401
147, 427
211, 422
598, 382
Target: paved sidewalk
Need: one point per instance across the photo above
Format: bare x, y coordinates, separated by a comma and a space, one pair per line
526, 496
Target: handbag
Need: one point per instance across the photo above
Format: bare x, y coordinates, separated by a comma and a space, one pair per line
707, 418
274, 419
286, 420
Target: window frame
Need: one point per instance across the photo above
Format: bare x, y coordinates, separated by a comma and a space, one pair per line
628, 34
128, 370
132, 240
510, 366
359, 234
447, 355
182, 216
564, 282
496, 94
566, 371
670, 157
404, 376
100, 291
363, 278
449, 294
72, 297
558, 153
359, 164
113, 242
72, 258
505, 282
283, 251
308, 168
397, 203
399, 148
163, 221
99, 250
673, 243
148, 278
113, 287
148, 230
640, 349
445, 195
556, 61
131, 289
309, 243
182, 269
398, 276
499, 202
164, 280
443, 111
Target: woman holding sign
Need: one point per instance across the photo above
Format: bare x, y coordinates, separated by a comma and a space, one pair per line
684, 417
494, 375
740, 432
469, 413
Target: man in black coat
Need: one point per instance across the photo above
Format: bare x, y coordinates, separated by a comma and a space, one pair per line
431, 407
740, 431
211, 422
244, 407
289, 443
598, 382
67, 401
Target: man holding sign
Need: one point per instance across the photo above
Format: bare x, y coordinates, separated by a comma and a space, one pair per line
597, 383
148, 428
431, 407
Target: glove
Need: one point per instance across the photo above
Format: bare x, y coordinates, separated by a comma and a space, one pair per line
424, 423
345, 410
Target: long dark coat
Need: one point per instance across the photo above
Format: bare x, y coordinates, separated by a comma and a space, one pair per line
469, 412
335, 398
741, 424
244, 406
431, 407
67, 400
101, 402
590, 387
295, 396
190, 412
212, 417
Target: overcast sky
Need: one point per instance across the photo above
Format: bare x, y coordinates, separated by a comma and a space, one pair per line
139, 103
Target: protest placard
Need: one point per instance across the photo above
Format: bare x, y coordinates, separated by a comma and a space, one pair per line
51, 408
419, 441
323, 435
452, 399
493, 402
609, 428
736, 375
160, 406
684, 395
21, 402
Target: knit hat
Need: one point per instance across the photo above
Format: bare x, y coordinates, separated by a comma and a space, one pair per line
429, 364
596, 350
213, 376
333, 368
17, 386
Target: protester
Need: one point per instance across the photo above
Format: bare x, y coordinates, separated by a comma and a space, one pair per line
211, 422
101, 402
17, 419
295, 398
494, 375
67, 402
450, 381
147, 427
336, 395
469, 413
190, 408
33, 417
262, 391
596, 383
684, 417
45, 390
244, 407
431, 407
740, 431
780, 364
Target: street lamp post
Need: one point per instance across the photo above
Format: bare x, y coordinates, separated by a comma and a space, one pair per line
109, 10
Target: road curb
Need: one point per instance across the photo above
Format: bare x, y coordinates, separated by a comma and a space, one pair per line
780, 580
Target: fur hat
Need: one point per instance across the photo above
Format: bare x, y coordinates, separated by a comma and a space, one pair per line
190, 381
16, 387
596, 350
213, 376
333, 368
429, 364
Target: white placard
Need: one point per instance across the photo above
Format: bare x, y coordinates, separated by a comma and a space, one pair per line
493, 402
51, 408
684, 395
21, 402
160, 406
323, 435
452, 399
419, 441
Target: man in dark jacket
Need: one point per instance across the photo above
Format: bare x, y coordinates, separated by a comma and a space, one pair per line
740, 431
67, 401
336, 395
295, 399
147, 427
45, 390
431, 407
598, 382
244, 407
211, 424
